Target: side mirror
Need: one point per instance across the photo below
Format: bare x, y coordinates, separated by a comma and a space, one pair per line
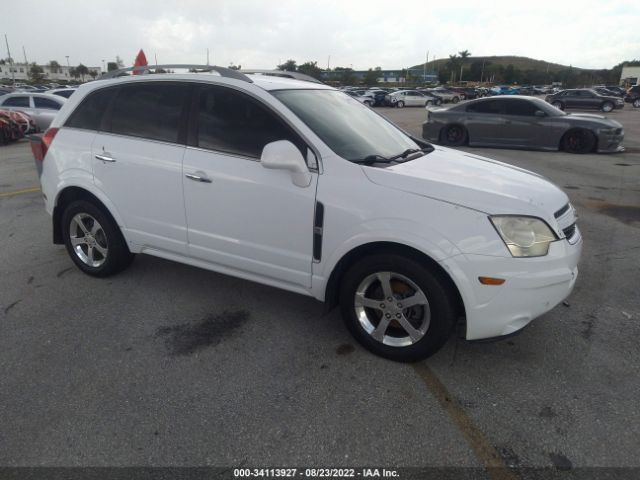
284, 155
540, 113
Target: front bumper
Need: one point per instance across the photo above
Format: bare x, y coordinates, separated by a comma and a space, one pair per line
610, 142
533, 286
431, 131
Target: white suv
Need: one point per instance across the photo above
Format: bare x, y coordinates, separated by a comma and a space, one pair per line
299, 186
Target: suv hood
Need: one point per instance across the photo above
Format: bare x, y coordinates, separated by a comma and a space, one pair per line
474, 182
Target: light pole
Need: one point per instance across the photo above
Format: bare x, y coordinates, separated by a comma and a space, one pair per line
103, 67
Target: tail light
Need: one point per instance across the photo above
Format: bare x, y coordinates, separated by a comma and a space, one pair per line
40, 144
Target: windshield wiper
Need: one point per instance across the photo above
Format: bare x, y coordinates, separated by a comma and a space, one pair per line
369, 159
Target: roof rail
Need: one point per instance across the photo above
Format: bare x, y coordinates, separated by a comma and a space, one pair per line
145, 69
284, 73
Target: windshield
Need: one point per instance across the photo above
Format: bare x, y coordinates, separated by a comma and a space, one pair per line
348, 127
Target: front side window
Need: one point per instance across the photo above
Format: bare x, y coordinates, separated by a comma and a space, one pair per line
350, 129
229, 121
46, 103
16, 102
149, 110
521, 108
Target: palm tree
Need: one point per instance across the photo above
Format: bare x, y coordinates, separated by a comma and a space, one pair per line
452, 65
463, 57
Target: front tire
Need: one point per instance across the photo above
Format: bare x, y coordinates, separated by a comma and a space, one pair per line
636, 103
607, 107
397, 308
558, 105
455, 99
93, 240
578, 141
400, 104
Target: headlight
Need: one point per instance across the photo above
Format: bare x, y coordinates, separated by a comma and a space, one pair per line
608, 131
524, 236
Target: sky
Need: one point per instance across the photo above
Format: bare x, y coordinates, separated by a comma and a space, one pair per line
347, 33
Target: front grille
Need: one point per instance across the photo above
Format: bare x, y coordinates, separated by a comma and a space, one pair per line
562, 211
569, 231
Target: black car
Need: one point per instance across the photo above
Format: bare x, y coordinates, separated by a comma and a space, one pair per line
584, 98
633, 96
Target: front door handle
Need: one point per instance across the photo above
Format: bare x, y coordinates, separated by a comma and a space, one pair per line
198, 178
105, 158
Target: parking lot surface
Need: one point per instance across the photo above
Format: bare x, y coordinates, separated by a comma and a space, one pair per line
167, 364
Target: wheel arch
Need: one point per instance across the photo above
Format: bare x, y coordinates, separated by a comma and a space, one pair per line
70, 194
573, 129
352, 256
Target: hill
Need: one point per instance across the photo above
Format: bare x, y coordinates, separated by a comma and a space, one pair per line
521, 63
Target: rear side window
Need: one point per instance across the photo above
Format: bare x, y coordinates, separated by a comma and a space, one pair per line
88, 114
46, 103
149, 110
232, 122
490, 106
16, 102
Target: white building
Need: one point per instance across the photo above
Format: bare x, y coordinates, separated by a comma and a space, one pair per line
630, 76
20, 71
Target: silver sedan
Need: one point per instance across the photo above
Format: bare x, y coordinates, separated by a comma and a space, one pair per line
521, 122
41, 107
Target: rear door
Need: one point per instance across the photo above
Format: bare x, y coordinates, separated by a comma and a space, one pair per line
137, 162
485, 121
240, 215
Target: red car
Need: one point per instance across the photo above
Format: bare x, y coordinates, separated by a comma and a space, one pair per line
14, 125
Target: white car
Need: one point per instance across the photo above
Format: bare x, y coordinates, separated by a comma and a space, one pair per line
61, 92
40, 106
408, 98
299, 186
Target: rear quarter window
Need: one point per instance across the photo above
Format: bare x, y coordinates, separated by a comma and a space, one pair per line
88, 115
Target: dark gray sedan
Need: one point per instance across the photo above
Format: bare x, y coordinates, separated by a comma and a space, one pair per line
521, 122
584, 98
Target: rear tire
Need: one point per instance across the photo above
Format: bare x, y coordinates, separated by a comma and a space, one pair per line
94, 240
455, 99
578, 141
558, 105
371, 300
454, 135
636, 103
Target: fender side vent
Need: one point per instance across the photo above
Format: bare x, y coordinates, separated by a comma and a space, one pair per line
318, 223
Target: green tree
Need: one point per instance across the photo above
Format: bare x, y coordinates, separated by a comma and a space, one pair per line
54, 67
311, 69
73, 72
371, 77
111, 66
463, 59
93, 74
288, 66
82, 71
346, 77
452, 66
36, 73
235, 67
510, 74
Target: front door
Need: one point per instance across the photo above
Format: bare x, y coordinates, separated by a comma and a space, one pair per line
240, 215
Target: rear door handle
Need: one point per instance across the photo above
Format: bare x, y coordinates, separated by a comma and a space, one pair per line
198, 177
105, 158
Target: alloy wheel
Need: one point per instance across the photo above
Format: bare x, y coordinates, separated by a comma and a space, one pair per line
392, 309
88, 240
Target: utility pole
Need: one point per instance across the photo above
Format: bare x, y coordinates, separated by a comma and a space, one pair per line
482, 71
424, 70
103, 67
24, 53
329, 63
13, 75
155, 56
207, 56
